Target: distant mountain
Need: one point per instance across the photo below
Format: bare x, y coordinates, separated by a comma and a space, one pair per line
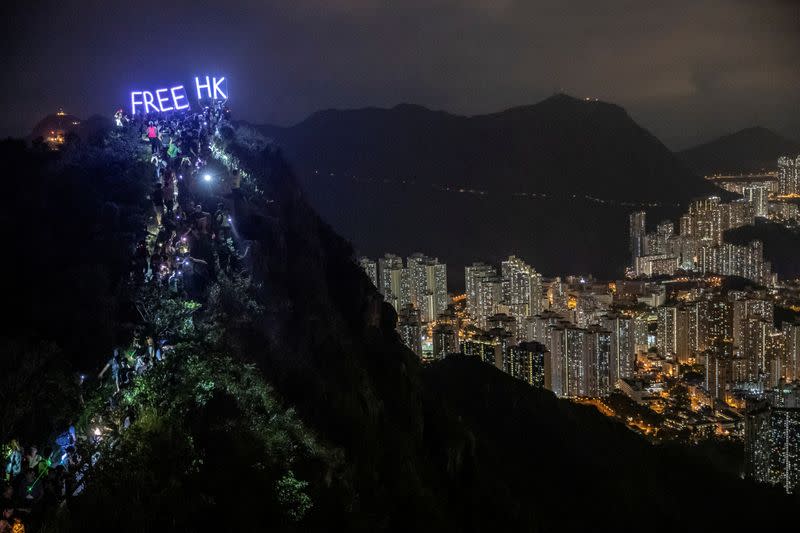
55, 123
561, 146
66, 124
748, 150
553, 182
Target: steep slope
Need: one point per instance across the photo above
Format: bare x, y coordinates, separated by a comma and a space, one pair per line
749, 150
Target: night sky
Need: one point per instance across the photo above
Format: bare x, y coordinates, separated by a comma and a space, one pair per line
688, 70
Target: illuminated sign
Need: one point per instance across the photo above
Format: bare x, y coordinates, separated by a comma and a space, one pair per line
176, 98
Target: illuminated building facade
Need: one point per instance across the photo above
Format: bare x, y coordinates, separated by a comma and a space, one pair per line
445, 341
394, 281
622, 349
638, 234
666, 331
527, 361
687, 331
758, 198
473, 277
428, 286
522, 290
481, 346
370, 268
791, 357
772, 438
409, 326
579, 361
789, 175
714, 320
489, 299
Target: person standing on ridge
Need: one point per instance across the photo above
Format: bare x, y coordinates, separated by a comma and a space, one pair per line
152, 135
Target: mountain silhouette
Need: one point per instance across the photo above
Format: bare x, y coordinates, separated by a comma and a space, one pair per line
561, 145
553, 182
749, 150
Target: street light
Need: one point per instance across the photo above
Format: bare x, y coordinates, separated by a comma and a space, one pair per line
207, 177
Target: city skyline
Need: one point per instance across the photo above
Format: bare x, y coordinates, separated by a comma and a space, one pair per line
639, 337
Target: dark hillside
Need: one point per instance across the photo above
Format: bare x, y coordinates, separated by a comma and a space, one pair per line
293, 377
749, 150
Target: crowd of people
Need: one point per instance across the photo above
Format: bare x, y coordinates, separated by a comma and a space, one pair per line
189, 237
35, 480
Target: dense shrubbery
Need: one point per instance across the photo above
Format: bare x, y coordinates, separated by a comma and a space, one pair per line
208, 437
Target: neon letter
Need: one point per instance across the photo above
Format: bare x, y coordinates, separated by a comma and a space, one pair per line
179, 96
161, 100
134, 101
207, 87
217, 88
148, 102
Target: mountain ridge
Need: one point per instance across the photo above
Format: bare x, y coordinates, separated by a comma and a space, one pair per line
751, 149
519, 147
560, 175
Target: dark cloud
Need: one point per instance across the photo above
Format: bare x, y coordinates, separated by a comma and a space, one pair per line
686, 69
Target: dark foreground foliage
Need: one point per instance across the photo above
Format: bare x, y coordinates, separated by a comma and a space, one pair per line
372, 442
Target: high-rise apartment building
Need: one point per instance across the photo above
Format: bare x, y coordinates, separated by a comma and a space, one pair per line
687, 333
394, 281
428, 286
522, 287
666, 330
622, 351
489, 299
445, 341
638, 235
758, 198
789, 175
473, 276
409, 326
791, 356
527, 361
579, 361
596, 379
772, 438
481, 346
370, 268
714, 319
707, 220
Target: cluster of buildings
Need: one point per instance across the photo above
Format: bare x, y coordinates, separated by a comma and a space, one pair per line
585, 339
733, 336
698, 246
558, 334
420, 285
704, 355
